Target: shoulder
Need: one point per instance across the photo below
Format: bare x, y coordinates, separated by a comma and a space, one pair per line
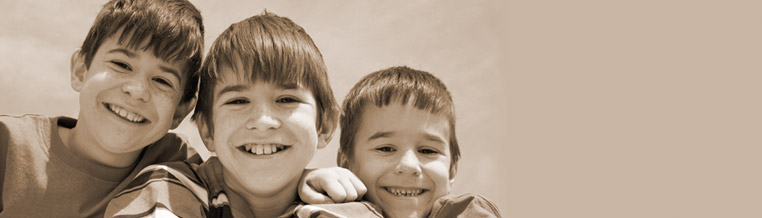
171, 141
26, 132
178, 173
171, 147
170, 187
24, 123
465, 205
25, 117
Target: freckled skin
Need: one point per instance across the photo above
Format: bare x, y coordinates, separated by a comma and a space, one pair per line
134, 80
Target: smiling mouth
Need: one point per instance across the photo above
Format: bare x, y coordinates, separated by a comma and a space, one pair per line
263, 149
125, 114
405, 192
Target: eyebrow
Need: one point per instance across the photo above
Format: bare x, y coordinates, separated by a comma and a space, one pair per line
233, 88
288, 85
123, 51
172, 71
433, 138
380, 135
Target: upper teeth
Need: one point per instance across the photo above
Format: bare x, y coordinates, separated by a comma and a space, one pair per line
136, 118
404, 192
260, 149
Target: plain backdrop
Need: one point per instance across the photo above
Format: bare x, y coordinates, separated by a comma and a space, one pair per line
586, 108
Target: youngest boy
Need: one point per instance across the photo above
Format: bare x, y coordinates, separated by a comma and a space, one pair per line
398, 136
265, 106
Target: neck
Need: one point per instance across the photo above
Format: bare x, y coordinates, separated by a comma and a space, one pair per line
84, 145
261, 205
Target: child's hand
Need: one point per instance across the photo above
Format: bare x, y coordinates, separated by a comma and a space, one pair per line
210, 172
340, 184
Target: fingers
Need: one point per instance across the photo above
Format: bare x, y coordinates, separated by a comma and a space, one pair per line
329, 185
312, 195
336, 190
359, 186
349, 189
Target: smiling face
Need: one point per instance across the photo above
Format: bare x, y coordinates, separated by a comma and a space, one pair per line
264, 134
128, 98
402, 155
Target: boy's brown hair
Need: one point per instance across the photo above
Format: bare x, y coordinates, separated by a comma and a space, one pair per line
396, 85
173, 30
273, 49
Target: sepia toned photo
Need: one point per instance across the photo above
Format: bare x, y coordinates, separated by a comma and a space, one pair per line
486, 108
175, 108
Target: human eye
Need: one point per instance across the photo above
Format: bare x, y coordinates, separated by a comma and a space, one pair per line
121, 65
237, 101
386, 149
287, 100
163, 82
428, 151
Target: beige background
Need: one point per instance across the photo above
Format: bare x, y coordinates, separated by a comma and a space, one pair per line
565, 108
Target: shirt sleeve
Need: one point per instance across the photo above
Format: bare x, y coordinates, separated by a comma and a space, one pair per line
352, 209
466, 205
162, 189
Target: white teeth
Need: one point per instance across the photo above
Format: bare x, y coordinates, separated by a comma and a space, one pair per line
404, 192
268, 149
263, 149
133, 117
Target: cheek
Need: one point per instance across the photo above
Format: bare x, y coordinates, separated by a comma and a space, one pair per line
369, 168
439, 173
222, 129
306, 123
166, 102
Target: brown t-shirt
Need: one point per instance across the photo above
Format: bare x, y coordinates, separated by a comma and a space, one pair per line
40, 177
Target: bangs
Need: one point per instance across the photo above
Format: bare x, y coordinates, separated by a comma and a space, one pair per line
412, 93
257, 54
169, 43
172, 29
422, 91
250, 68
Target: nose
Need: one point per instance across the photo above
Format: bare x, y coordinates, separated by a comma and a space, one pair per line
136, 89
408, 164
262, 118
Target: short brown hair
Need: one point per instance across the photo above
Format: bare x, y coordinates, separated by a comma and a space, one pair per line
174, 30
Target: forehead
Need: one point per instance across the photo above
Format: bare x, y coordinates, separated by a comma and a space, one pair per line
403, 120
238, 75
142, 50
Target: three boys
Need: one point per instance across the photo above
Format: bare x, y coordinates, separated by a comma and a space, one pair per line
138, 84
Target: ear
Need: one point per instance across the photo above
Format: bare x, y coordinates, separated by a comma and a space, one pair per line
453, 171
182, 111
206, 134
342, 160
329, 124
78, 69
